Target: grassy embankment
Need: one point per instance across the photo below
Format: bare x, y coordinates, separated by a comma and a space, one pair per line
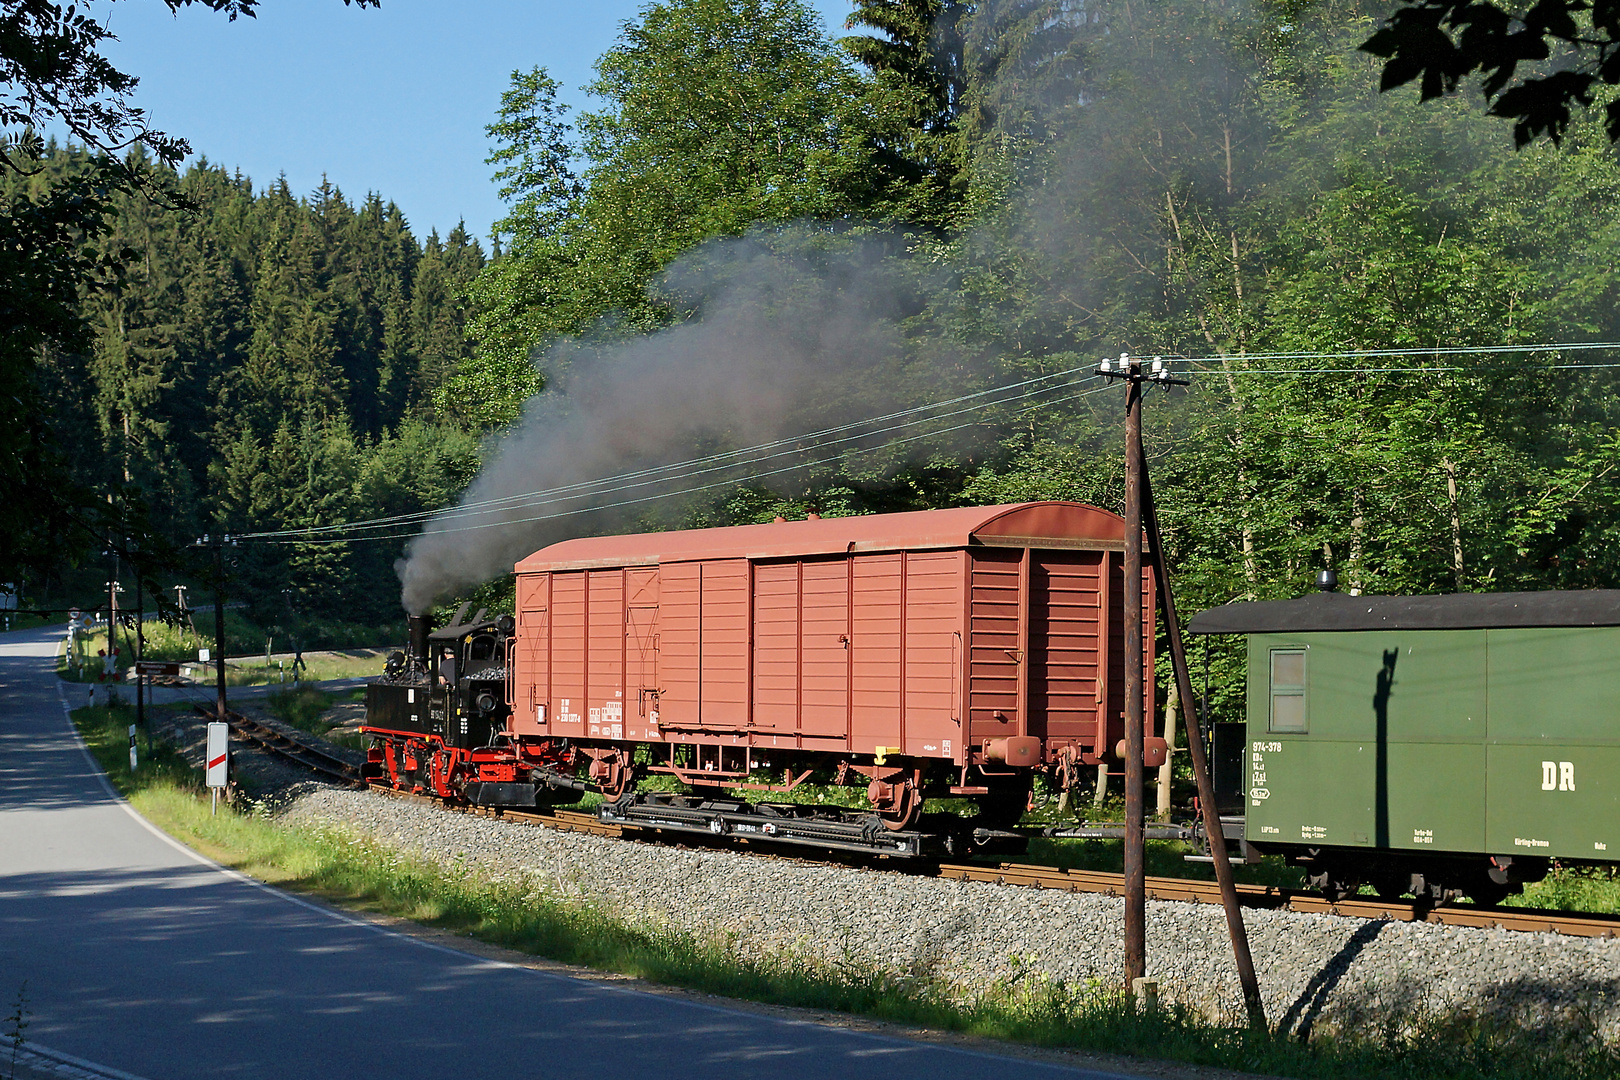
305, 708
242, 669
367, 876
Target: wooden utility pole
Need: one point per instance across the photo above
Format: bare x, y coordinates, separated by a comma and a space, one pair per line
140, 651
1131, 608
1141, 514
1200, 763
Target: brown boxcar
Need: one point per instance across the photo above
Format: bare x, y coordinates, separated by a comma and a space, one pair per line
981, 637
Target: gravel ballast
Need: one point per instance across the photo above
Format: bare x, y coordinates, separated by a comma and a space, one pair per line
1316, 971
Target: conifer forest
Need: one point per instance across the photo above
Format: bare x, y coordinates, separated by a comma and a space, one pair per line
777, 266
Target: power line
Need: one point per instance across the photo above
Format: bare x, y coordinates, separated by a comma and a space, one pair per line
665, 494
862, 429
684, 470
1224, 363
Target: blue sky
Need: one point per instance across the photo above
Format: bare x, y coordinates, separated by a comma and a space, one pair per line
392, 100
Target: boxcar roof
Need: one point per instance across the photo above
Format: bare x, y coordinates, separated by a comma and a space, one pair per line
1453, 611
1035, 524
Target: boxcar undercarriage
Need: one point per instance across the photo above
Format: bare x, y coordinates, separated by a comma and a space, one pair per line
437, 719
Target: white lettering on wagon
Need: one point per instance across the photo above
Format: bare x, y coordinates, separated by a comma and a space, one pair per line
1519, 841
1557, 776
1258, 793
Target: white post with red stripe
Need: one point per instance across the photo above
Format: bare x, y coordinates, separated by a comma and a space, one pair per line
219, 758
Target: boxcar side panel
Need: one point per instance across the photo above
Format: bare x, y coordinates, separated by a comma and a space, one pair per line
568, 626
724, 652
531, 684
776, 648
605, 657
933, 654
1382, 744
1066, 642
994, 646
679, 607
641, 652
1112, 710
875, 661
1553, 747
825, 649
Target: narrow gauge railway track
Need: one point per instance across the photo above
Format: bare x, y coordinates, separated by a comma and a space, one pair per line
1528, 920
296, 748
1270, 896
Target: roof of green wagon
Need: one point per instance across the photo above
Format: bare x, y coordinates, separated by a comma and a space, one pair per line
1036, 524
1452, 611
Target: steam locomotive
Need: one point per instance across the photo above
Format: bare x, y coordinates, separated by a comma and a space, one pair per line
953, 652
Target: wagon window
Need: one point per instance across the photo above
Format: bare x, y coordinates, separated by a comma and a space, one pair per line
1288, 691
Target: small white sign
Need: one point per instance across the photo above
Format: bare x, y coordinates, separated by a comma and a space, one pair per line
219, 753
202, 656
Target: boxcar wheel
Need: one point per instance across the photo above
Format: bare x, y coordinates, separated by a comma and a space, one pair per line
614, 773
1489, 893
1003, 807
898, 803
1334, 883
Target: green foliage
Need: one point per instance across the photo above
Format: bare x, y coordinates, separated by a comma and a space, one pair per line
263, 362
1290, 209
1573, 888
57, 246
719, 116
303, 708
1213, 179
1442, 42
920, 68
46, 217
160, 767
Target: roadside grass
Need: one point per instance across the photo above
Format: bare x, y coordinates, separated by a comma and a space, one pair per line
1021, 1007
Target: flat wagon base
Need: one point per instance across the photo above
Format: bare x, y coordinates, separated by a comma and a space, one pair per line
783, 823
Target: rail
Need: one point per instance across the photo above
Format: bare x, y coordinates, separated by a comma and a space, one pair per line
290, 746
1270, 896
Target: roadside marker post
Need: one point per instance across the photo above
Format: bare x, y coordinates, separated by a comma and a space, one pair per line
132, 760
219, 758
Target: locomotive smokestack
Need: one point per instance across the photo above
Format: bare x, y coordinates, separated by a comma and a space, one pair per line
421, 626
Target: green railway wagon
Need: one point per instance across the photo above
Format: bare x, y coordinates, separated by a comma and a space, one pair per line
1443, 746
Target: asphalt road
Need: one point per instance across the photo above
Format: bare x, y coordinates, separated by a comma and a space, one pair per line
148, 960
